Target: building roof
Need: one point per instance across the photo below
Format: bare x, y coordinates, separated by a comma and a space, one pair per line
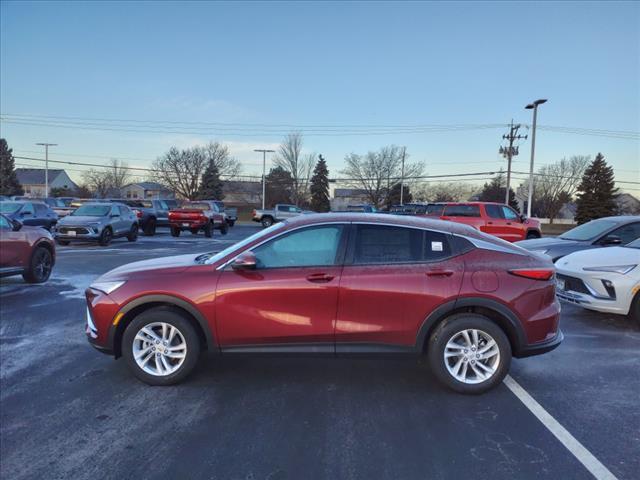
35, 176
349, 192
148, 186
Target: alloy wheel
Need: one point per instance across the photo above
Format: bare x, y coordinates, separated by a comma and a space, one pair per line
42, 264
472, 356
159, 349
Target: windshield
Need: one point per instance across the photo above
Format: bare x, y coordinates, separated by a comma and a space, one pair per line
10, 207
213, 258
589, 230
634, 244
92, 210
198, 206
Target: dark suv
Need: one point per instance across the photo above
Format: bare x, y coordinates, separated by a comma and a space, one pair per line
151, 213
33, 214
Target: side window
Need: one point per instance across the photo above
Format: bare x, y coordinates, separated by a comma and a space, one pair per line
313, 246
4, 223
28, 208
383, 244
436, 246
114, 210
627, 233
283, 208
494, 211
124, 211
462, 211
509, 214
41, 209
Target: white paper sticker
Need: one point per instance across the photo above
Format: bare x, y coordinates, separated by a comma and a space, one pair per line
436, 246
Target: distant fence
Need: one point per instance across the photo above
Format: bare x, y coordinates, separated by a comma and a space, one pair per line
558, 221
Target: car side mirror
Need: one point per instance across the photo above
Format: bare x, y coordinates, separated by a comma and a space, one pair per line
16, 225
245, 261
114, 215
612, 240
523, 218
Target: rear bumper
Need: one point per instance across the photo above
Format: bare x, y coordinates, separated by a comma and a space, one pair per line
541, 347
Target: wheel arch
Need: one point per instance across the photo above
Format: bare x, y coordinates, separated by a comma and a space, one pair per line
493, 310
534, 231
142, 304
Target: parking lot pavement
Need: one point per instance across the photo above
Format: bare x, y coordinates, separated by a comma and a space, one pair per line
70, 412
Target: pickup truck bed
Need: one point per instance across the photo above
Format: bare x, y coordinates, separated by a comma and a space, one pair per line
195, 217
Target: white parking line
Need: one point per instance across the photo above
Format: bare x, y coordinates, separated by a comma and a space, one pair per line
584, 456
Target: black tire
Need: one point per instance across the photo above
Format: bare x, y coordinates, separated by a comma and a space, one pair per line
175, 232
40, 266
149, 228
64, 243
224, 228
174, 318
194, 231
231, 222
634, 311
266, 221
446, 331
208, 230
532, 234
133, 234
105, 237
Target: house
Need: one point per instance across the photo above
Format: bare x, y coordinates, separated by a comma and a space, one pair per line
146, 190
238, 193
343, 197
33, 181
627, 204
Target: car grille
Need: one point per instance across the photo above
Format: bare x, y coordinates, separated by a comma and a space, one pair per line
78, 230
574, 284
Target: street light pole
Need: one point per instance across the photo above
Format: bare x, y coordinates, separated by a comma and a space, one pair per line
404, 151
264, 169
46, 166
533, 106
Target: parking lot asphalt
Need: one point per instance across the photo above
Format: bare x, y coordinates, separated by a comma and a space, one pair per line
67, 411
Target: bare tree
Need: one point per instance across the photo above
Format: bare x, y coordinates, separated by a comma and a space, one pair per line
291, 159
376, 172
181, 170
557, 183
119, 174
218, 153
97, 181
445, 192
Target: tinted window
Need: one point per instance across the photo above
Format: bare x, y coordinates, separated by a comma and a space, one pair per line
28, 208
198, 206
494, 211
41, 209
436, 246
509, 214
627, 233
462, 211
588, 230
377, 244
315, 246
92, 210
4, 223
434, 210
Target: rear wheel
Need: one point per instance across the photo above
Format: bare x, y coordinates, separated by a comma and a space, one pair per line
266, 221
231, 223
175, 232
40, 266
208, 230
150, 227
160, 346
106, 237
532, 234
634, 311
469, 353
133, 233
224, 228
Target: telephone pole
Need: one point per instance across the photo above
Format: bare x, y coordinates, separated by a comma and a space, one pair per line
46, 166
510, 152
404, 151
264, 168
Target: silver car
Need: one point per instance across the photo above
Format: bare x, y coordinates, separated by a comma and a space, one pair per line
98, 222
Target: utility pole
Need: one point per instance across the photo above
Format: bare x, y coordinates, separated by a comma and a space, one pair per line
533, 106
46, 166
404, 151
264, 169
510, 152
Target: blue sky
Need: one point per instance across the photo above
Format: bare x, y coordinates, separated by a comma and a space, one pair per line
358, 63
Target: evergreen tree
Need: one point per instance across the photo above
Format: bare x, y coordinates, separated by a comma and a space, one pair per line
211, 185
9, 184
597, 192
394, 195
279, 186
320, 187
494, 191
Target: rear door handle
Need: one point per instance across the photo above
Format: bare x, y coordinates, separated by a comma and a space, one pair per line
440, 273
489, 223
319, 278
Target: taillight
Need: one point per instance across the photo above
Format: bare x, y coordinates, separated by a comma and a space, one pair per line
534, 273
138, 213
254, 213
203, 218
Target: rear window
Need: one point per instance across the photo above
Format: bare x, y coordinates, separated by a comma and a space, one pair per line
462, 211
434, 210
198, 206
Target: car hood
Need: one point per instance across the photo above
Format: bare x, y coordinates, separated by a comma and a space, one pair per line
176, 263
601, 257
546, 242
80, 220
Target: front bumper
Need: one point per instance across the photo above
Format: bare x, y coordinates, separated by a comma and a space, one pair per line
79, 232
541, 347
92, 335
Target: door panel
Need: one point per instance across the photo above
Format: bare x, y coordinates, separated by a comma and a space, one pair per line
13, 245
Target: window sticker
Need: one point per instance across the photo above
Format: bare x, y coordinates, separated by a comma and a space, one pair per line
436, 246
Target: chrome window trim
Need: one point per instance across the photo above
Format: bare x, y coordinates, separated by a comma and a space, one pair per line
484, 245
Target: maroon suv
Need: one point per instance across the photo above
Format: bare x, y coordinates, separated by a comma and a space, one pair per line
26, 251
335, 284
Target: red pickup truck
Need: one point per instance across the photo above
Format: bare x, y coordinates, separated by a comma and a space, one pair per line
493, 218
195, 216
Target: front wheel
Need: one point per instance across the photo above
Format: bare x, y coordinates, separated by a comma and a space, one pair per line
532, 235
105, 237
40, 266
266, 221
469, 353
133, 233
231, 222
224, 228
208, 230
150, 227
175, 232
160, 346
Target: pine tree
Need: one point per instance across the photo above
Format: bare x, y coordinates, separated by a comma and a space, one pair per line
597, 192
320, 187
394, 195
494, 192
211, 185
279, 186
9, 184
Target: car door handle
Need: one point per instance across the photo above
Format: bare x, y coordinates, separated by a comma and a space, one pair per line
439, 273
319, 278
489, 223
508, 223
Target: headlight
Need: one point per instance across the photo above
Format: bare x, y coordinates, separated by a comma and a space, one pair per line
622, 269
107, 287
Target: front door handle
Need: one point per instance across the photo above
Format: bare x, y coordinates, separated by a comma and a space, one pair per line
319, 278
440, 273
